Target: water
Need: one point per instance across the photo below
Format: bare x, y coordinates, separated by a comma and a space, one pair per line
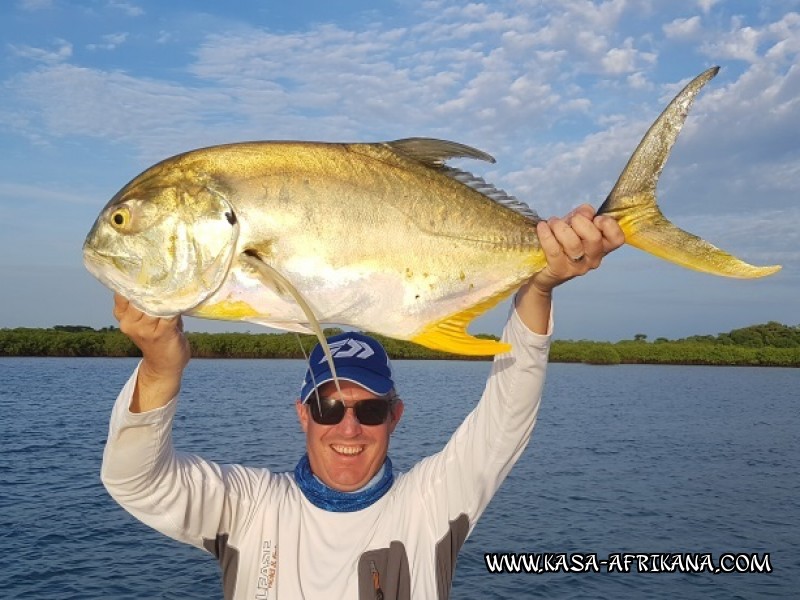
623, 459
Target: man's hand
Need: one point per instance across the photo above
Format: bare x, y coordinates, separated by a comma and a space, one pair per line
573, 246
165, 354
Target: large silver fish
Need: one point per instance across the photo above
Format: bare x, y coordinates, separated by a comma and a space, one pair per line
383, 237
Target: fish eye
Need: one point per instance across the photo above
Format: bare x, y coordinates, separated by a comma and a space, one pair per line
120, 217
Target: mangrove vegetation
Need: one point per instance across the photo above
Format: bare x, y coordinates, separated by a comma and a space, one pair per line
770, 344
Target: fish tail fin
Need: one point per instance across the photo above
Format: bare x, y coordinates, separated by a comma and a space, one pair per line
632, 202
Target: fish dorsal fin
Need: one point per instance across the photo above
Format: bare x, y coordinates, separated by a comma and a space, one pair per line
493, 193
435, 153
450, 334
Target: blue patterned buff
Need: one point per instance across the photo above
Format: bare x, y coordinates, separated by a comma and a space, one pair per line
321, 496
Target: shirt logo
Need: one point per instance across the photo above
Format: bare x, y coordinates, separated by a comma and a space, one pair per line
349, 348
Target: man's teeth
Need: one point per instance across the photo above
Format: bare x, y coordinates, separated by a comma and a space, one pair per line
349, 450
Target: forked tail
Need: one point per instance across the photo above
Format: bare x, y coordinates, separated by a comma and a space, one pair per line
632, 202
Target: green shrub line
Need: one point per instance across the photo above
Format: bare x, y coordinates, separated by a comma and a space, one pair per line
769, 344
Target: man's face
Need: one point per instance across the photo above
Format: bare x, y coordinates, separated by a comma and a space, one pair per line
347, 455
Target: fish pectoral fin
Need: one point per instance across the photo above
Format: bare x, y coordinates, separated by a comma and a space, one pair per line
276, 279
282, 325
450, 334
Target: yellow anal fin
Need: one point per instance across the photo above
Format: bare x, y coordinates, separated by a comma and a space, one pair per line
450, 334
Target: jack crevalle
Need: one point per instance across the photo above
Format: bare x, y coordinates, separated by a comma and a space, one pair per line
383, 237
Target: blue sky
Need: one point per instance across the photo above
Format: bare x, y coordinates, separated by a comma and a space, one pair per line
560, 92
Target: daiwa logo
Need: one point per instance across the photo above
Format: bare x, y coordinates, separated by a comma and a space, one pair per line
348, 348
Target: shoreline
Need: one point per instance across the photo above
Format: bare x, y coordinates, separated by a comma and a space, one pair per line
771, 344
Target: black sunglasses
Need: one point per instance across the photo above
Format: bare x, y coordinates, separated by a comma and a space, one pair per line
330, 411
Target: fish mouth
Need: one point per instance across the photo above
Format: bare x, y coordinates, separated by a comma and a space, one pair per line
96, 258
103, 265
94, 261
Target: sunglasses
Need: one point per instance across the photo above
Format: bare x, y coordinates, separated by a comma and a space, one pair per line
330, 411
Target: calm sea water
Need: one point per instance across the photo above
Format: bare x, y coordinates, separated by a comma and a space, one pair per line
623, 459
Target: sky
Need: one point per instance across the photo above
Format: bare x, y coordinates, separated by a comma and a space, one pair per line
560, 91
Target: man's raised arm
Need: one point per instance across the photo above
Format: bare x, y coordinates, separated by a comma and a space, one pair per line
165, 354
573, 246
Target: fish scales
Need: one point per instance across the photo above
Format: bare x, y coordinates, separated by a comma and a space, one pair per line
337, 215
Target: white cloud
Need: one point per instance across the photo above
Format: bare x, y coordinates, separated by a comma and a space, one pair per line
626, 59
131, 10
786, 35
741, 43
479, 70
683, 29
152, 116
754, 120
707, 5
639, 81
110, 41
776, 41
11, 193
458, 22
494, 88
565, 174
60, 54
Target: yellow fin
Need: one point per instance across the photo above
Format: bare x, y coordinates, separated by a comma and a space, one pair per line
659, 237
632, 202
274, 278
450, 334
230, 310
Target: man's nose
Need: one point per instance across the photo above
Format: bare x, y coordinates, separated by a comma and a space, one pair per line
350, 425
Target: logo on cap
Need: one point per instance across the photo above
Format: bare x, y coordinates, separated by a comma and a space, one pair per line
349, 348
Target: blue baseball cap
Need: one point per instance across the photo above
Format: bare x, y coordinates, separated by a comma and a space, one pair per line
357, 357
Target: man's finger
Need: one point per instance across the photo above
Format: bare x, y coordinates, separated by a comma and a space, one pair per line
567, 238
162, 324
120, 300
613, 236
550, 245
584, 210
586, 230
120, 305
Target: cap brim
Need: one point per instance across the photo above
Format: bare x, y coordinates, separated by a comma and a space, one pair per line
365, 378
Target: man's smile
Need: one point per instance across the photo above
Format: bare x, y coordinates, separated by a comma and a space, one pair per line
347, 450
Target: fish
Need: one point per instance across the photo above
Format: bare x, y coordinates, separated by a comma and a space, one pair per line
383, 237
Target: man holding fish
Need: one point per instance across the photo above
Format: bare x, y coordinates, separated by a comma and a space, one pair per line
342, 525
295, 234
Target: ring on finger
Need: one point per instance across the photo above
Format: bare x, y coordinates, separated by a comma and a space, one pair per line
578, 258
